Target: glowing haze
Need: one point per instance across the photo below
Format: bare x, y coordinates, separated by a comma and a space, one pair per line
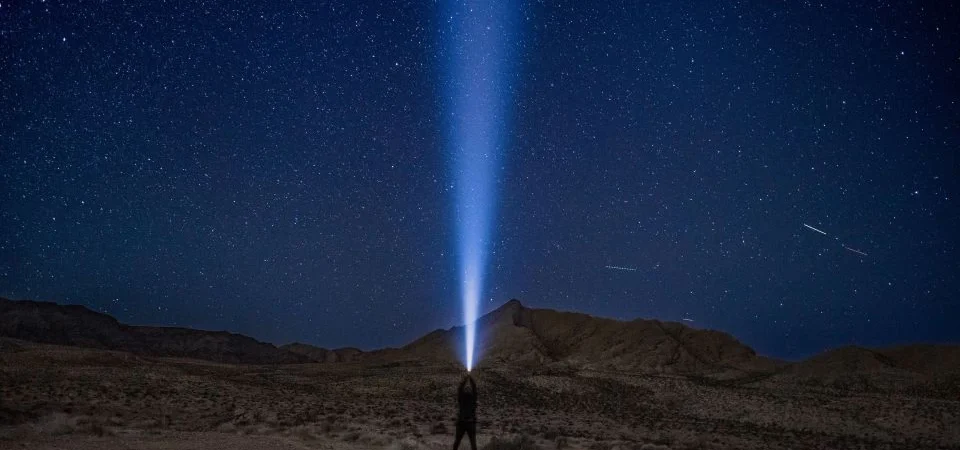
477, 38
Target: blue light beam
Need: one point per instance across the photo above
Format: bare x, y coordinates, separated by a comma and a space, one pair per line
477, 70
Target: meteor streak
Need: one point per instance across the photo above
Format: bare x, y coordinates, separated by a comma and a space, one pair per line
855, 251
838, 241
620, 268
814, 229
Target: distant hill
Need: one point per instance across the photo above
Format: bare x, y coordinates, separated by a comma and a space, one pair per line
76, 325
913, 368
514, 335
322, 355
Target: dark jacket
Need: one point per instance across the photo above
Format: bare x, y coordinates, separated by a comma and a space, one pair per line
468, 401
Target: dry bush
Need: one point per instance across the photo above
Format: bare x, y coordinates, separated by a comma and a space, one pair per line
55, 424
521, 442
330, 426
649, 446
352, 436
373, 440
406, 444
691, 441
438, 428
97, 429
670, 400
303, 433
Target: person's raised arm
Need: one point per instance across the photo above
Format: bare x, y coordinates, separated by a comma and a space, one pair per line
473, 385
463, 384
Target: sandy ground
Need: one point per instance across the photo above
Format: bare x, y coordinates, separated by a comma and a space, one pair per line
19, 438
68, 398
159, 441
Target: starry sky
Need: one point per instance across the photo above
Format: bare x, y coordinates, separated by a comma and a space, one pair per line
281, 170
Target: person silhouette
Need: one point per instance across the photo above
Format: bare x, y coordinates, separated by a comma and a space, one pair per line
467, 416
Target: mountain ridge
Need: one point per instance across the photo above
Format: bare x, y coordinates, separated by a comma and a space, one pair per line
511, 335
76, 325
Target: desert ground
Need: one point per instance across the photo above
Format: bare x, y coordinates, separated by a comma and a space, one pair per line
54, 397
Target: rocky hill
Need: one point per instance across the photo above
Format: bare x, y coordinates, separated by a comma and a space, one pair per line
323, 355
517, 336
520, 336
917, 368
75, 325
514, 334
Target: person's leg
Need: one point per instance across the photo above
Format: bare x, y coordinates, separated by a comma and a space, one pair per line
472, 434
460, 431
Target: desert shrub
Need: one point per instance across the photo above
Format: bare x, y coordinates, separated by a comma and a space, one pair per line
55, 424
562, 442
374, 440
328, 427
303, 433
670, 401
660, 438
97, 429
690, 441
521, 442
438, 428
352, 436
406, 444
601, 446
649, 446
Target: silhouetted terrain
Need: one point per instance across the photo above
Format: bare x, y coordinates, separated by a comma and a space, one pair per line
322, 355
75, 325
511, 335
549, 379
520, 336
919, 369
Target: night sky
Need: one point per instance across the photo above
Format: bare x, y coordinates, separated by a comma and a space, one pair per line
283, 172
